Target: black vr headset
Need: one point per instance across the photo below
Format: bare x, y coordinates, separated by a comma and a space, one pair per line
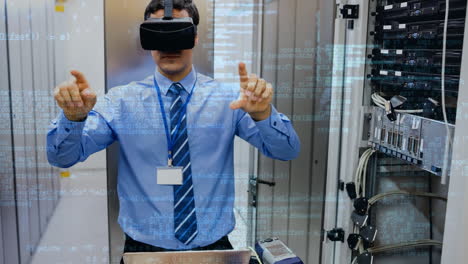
168, 33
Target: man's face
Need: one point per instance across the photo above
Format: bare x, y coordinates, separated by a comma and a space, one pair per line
173, 62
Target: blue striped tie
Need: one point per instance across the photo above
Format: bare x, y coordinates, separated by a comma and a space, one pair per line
185, 220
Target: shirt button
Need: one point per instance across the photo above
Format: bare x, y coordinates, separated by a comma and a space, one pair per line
67, 129
274, 123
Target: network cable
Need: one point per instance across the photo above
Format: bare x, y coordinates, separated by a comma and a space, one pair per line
362, 205
360, 174
403, 245
360, 182
367, 255
444, 112
380, 196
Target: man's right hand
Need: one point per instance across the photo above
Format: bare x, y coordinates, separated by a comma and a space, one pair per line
75, 97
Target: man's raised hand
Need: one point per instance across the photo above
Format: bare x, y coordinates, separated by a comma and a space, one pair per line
255, 95
75, 97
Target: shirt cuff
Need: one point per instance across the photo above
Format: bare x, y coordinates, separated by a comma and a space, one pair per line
67, 128
275, 120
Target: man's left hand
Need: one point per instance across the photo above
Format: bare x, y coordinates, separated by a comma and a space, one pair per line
255, 95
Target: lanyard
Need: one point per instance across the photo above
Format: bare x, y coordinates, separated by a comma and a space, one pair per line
163, 112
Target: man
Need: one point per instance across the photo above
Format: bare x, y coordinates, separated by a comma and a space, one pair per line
174, 123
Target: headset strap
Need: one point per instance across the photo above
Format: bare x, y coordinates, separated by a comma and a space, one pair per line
167, 9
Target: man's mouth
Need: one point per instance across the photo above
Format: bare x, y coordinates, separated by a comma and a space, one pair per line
170, 55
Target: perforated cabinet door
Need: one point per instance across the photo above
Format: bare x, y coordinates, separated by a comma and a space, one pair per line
292, 38
41, 105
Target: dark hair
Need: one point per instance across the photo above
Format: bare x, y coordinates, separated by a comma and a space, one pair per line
188, 5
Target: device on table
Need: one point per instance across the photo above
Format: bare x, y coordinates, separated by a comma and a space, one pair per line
274, 251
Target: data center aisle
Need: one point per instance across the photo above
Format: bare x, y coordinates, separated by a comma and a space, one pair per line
77, 232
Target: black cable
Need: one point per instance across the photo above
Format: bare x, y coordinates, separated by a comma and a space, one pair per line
401, 192
404, 245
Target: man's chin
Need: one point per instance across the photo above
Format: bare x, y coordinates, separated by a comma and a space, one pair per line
171, 69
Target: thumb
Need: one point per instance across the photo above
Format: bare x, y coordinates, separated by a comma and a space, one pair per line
236, 104
240, 102
89, 97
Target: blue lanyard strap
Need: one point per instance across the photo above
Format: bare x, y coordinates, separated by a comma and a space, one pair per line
163, 112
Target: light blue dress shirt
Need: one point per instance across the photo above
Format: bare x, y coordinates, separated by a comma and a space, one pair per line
131, 115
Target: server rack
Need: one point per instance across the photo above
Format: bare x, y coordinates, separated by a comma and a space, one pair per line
29, 185
387, 159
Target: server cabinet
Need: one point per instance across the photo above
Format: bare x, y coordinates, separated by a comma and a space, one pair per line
43, 106
398, 66
9, 237
295, 58
26, 85
52, 59
18, 128
29, 122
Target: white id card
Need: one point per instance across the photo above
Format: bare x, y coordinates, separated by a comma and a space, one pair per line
169, 175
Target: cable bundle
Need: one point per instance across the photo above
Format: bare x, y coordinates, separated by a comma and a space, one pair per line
384, 104
360, 175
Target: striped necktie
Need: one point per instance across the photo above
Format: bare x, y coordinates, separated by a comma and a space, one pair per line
185, 220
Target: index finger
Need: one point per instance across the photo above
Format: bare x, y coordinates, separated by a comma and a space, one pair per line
243, 75
80, 79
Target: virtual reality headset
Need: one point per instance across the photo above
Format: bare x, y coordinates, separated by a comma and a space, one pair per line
168, 33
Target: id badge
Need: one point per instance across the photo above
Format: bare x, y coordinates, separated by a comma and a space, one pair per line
169, 175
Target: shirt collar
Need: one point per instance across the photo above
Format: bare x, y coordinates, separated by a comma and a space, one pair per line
164, 83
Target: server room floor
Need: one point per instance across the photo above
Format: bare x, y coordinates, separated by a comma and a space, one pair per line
78, 229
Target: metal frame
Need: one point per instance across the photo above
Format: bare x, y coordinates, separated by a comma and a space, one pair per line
343, 153
334, 146
254, 154
456, 229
